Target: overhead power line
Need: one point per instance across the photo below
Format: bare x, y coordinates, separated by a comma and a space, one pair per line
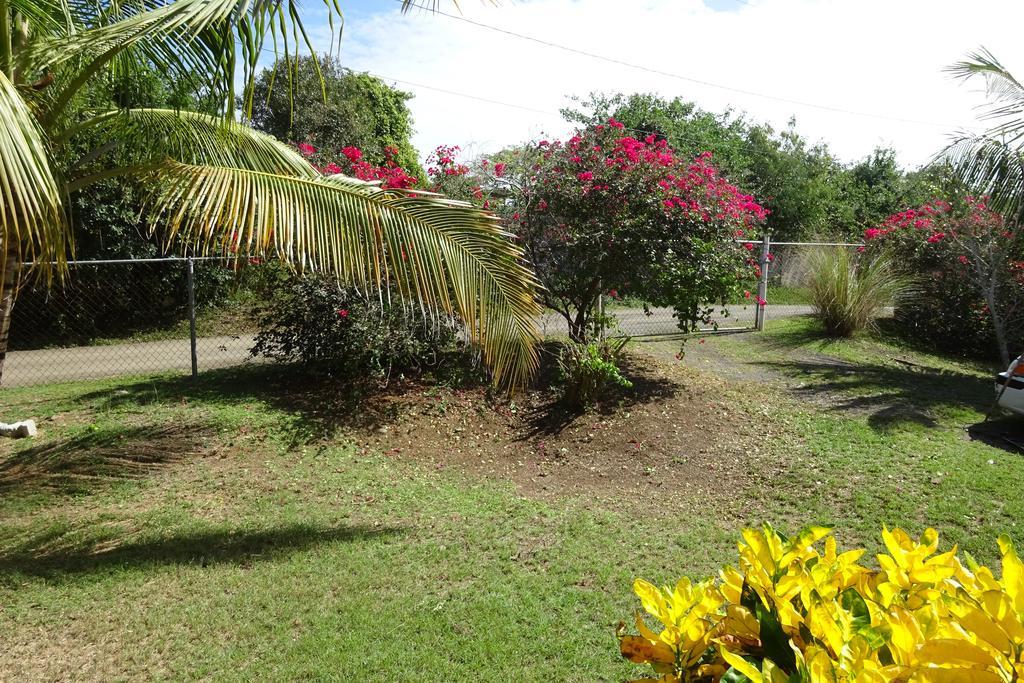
680, 77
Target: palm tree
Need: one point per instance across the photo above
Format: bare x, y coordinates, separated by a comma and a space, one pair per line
217, 185
992, 162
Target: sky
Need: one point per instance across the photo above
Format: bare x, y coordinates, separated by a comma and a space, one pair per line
872, 69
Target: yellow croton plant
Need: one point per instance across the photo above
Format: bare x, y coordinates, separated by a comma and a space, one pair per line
796, 609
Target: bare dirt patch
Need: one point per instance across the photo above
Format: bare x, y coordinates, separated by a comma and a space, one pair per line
674, 441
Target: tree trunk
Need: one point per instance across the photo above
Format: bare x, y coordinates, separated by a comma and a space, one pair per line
578, 327
998, 324
8, 286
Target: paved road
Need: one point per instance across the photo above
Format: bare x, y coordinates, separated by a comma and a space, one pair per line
45, 366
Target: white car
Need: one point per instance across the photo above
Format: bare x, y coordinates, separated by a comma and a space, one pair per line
1010, 387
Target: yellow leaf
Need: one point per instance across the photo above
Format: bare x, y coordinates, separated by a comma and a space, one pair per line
953, 651
639, 650
942, 675
652, 599
1013, 574
742, 665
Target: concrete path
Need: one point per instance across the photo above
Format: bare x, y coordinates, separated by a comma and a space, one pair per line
45, 366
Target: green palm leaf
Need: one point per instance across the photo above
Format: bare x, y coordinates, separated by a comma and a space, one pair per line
152, 135
447, 255
992, 162
202, 35
33, 223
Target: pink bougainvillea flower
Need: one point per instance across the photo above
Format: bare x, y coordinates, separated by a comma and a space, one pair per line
353, 154
585, 176
342, 312
761, 302
499, 169
749, 246
746, 293
332, 169
963, 259
937, 237
306, 149
613, 293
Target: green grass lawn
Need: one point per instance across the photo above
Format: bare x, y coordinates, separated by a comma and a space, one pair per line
163, 529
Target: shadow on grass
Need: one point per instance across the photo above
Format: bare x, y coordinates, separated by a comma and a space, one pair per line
317, 406
890, 394
57, 552
1004, 432
82, 463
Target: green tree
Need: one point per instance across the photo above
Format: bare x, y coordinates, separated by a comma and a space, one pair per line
216, 185
350, 110
687, 128
797, 181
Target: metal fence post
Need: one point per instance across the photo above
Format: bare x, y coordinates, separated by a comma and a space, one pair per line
600, 312
762, 285
192, 316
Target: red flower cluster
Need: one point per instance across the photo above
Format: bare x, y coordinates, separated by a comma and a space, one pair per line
443, 162
941, 220
390, 175
693, 188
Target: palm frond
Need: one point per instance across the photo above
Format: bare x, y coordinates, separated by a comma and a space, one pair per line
999, 82
992, 162
990, 167
152, 135
445, 255
432, 5
202, 35
32, 210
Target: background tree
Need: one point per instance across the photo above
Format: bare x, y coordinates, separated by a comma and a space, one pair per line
218, 186
350, 110
807, 191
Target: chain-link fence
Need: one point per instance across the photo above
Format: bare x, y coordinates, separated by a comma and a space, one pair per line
128, 317
113, 318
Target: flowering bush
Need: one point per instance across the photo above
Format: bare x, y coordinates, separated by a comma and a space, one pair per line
352, 164
339, 332
792, 611
605, 210
970, 267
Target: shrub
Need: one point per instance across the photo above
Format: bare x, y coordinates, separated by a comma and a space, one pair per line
589, 371
969, 262
340, 332
794, 612
848, 292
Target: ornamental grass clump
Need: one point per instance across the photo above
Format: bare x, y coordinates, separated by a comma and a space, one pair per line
849, 291
795, 611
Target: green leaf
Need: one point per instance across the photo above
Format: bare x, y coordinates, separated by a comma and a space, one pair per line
774, 639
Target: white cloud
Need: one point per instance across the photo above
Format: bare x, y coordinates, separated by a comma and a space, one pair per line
879, 56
